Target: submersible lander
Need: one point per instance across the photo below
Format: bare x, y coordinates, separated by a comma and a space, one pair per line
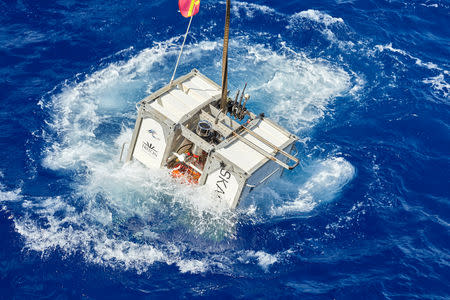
193, 128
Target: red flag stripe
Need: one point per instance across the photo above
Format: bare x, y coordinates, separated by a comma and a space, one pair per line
189, 8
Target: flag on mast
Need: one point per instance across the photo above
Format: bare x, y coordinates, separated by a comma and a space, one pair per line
189, 8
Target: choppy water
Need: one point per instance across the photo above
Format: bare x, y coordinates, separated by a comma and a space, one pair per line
364, 84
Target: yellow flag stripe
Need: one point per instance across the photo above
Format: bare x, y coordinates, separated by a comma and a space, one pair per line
191, 8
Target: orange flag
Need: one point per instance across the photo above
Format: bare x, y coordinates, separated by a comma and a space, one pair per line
189, 8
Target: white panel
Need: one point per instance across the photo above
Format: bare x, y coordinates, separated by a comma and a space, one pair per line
246, 157
165, 112
201, 88
271, 133
242, 155
175, 104
223, 186
205, 86
150, 144
186, 99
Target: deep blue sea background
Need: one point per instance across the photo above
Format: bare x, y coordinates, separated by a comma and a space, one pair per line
364, 84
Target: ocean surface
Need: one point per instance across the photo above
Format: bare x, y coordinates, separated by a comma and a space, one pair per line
364, 84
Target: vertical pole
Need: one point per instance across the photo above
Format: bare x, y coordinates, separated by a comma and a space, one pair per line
181, 51
223, 102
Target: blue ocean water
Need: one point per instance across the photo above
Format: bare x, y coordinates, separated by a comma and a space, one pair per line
364, 84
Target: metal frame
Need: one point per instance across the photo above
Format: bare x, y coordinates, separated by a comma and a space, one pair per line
263, 172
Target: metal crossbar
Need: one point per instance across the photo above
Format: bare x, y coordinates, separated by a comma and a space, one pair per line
224, 130
277, 149
262, 151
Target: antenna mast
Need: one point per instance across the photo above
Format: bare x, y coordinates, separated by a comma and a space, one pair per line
223, 102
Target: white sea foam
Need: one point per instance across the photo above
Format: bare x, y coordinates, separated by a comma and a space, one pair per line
418, 61
192, 266
9, 195
326, 180
316, 16
321, 22
264, 259
298, 88
250, 9
61, 226
127, 215
434, 5
439, 84
6, 195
